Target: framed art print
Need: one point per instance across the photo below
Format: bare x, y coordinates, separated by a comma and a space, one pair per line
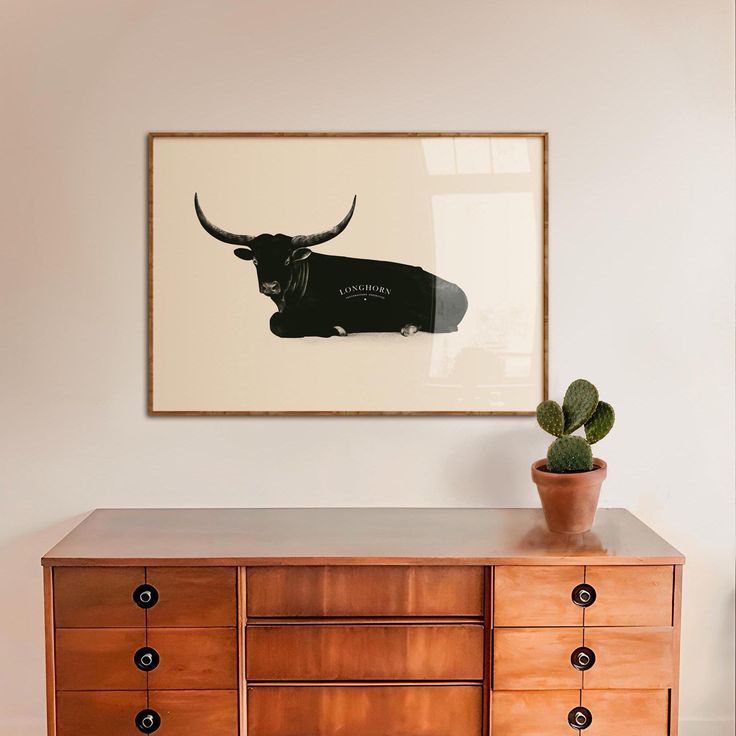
350, 273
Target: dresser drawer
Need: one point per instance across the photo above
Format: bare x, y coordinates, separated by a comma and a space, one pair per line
364, 591
365, 652
536, 596
196, 712
615, 596
95, 597
630, 658
193, 596
194, 659
611, 713
536, 659
388, 710
630, 596
98, 713
99, 659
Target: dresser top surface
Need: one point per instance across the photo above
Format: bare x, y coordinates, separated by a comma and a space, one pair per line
365, 536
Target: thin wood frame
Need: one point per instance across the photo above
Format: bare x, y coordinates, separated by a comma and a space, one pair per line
544, 136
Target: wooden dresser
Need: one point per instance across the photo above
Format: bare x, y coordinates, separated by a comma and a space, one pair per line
360, 622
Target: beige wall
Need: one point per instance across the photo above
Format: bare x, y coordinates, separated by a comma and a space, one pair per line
638, 100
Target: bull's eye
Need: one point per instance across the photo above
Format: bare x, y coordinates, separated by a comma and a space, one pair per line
287, 261
255, 261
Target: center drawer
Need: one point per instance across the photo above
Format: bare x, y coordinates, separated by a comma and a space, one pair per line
370, 590
332, 652
365, 710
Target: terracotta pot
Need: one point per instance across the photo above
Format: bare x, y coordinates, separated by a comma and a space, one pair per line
569, 500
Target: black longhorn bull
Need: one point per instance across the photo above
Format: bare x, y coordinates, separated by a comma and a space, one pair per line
322, 296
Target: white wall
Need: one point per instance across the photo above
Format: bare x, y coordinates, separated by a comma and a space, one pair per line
638, 100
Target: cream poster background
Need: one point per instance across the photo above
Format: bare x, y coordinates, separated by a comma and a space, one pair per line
469, 210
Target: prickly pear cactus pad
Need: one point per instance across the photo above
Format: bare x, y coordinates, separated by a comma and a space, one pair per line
599, 425
581, 400
550, 418
569, 454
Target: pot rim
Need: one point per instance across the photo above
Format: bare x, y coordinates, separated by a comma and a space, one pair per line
583, 478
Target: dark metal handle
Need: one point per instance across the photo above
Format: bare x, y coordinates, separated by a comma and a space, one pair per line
583, 595
146, 659
145, 596
582, 658
579, 718
148, 721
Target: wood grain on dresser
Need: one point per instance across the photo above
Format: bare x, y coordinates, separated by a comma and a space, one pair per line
327, 622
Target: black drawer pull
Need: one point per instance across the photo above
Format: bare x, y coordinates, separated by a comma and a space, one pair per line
579, 718
582, 658
146, 659
148, 721
583, 595
145, 596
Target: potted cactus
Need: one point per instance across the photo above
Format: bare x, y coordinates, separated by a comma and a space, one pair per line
569, 479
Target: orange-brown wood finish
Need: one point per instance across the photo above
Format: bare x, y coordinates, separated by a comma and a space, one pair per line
536, 659
98, 713
536, 596
193, 597
630, 657
194, 659
374, 652
630, 596
96, 597
390, 632
391, 710
367, 536
365, 591
50, 635
534, 713
99, 659
676, 627
196, 712
623, 712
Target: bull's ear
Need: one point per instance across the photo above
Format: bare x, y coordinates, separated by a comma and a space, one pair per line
245, 253
300, 254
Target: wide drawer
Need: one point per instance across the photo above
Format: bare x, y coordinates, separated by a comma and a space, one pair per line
593, 658
364, 591
365, 652
95, 597
89, 597
194, 659
99, 659
176, 713
184, 659
608, 712
365, 710
575, 595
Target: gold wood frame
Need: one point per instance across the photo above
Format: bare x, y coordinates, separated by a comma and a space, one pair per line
545, 270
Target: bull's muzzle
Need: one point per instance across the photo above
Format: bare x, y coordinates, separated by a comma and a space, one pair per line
270, 288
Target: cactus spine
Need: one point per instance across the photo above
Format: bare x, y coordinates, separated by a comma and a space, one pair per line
580, 408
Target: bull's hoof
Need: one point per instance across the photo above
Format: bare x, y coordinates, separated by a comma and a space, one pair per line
340, 331
409, 330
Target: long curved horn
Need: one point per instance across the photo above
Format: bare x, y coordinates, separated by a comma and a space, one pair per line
218, 232
323, 237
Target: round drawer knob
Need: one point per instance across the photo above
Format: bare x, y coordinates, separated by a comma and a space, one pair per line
583, 595
579, 718
146, 659
148, 721
582, 658
145, 596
